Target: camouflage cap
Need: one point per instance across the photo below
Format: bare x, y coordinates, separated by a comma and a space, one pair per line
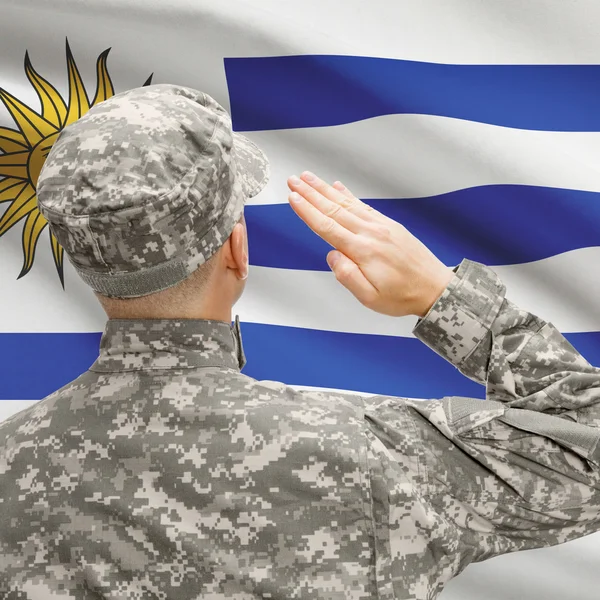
146, 187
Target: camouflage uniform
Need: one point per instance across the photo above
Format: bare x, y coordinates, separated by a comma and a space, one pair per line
146, 187
164, 472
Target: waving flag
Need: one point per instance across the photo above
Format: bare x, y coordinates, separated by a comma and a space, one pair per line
477, 125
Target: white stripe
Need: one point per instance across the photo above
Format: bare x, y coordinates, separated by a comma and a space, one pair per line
408, 156
196, 36
8, 408
36, 303
310, 388
562, 289
193, 34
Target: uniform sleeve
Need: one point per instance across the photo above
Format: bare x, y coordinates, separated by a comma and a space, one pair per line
520, 469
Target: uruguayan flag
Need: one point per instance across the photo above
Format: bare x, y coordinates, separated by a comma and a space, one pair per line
475, 124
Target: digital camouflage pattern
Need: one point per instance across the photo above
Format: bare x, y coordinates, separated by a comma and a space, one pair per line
163, 472
147, 186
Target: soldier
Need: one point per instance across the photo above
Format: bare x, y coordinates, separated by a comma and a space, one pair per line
164, 472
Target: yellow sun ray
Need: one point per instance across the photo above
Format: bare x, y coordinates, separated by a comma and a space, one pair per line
14, 165
22, 205
58, 254
10, 188
104, 86
11, 140
78, 100
33, 126
23, 151
54, 108
34, 225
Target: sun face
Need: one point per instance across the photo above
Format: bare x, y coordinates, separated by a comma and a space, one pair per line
24, 150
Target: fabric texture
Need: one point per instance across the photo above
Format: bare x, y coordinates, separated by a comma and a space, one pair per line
164, 472
147, 186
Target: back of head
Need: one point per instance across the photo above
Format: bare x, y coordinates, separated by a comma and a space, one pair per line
146, 187
186, 299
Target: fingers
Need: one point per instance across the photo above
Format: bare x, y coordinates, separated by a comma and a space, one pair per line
325, 227
330, 208
351, 277
357, 205
340, 187
338, 194
360, 208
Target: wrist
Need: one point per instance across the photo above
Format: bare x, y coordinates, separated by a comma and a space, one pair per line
433, 291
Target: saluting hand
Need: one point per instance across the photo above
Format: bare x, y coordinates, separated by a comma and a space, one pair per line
377, 259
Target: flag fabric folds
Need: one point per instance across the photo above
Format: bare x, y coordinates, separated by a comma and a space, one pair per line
476, 125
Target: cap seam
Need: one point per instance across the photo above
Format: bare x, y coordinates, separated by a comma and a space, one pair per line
260, 185
212, 137
96, 246
172, 259
193, 263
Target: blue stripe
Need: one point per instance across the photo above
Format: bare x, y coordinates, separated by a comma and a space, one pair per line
494, 225
315, 91
34, 364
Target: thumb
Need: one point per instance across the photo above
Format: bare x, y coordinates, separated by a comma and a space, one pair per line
351, 277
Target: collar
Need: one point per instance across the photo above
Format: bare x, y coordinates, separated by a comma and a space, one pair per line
132, 344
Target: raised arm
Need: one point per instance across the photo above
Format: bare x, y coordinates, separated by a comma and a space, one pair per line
475, 478
528, 457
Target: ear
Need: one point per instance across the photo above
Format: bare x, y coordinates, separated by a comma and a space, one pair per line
237, 258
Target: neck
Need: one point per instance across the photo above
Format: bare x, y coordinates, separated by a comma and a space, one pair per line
219, 315
137, 309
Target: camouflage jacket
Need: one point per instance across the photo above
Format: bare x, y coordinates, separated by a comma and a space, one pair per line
165, 473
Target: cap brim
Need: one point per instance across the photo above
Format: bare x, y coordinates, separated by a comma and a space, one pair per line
252, 165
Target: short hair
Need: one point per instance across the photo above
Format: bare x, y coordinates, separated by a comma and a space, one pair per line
177, 296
